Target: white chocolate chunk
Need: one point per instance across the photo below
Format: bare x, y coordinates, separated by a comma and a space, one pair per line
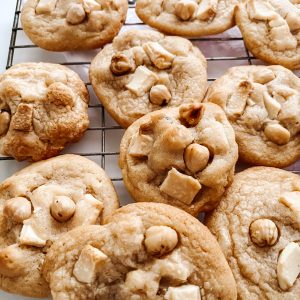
140, 145
90, 262
277, 134
293, 20
263, 76
283, 90
207, 9
18, 209
260, 10
29, 237
159, 56
45, 6
292, 201
87, 211
185, 9
90, 5
288, 266
189, 291
180, 186
75, 14
273, 107
141, 81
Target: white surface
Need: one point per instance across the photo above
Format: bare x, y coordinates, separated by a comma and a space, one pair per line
92, 139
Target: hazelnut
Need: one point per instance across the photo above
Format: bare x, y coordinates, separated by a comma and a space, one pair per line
191, 114
263, 232
160, 240
62, 208
196, 157
4, 122
17, 209
160, 95
75, 14
277, 134
185, 9
11, 261
120, 64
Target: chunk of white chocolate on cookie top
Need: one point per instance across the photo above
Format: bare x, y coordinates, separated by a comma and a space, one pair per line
292, 201
45, 6
140, 145
91, 261
30, 237
180, 186
207, 9
185, 9
90, 5
188, 291
263, 75
288, 266
260, 10
272, 106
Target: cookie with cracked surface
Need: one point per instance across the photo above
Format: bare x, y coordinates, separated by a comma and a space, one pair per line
39, 203
257, 225
147, 251
180, 156
263, 106
143, 71
43, 107
188, 17
65, 25
271, 30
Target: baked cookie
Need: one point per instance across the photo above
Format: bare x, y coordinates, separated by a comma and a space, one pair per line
147, 251
263, 106
40, 202
43, 107
64, 25
188, 17
181, 156
257, 225
143, 71
271, 30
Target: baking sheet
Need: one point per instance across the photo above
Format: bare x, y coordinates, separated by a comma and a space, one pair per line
222, 51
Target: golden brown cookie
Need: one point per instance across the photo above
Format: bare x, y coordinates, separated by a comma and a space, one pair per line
257, 225
147, 251
180, 156
143, 71
263, 106
43, 107
271, 30
64, 25
39, 203
187, 17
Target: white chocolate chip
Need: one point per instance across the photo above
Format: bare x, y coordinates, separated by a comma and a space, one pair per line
272, 106
288, 266
159, 56
4, 122
17, 209
140, 145
45, 6
90, 262
90, 5
180, 186
196, 157
207, 9
141, 81
277, 134
184, 292
62, 208
263, 232
75, 14
263, 75
292, 201
159, 95
160, 240
185, 9
293, 19
260, 10
30, 237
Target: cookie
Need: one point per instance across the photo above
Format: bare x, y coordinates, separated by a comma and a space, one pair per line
271, 30
187, 17
39, 203
43, 107
257, 225
263, 106
67, 25
143, 71
147, 251
180, 156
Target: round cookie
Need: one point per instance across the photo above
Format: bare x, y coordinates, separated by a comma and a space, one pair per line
39, 203
147, 251
188, 17
43, 107
271, 30
181, 156
143, 71
65, 25
257, 225
263, 106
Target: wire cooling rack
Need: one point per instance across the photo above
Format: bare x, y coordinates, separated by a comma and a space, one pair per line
102, 140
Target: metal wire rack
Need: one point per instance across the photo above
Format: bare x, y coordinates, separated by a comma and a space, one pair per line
105, 127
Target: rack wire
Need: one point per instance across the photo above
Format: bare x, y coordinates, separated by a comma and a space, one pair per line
104, 127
